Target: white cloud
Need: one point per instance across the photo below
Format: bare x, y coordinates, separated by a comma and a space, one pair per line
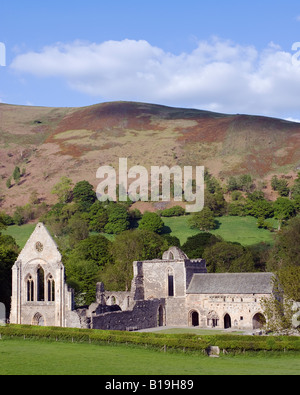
218, 75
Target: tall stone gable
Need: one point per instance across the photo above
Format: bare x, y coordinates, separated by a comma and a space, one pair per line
40, 295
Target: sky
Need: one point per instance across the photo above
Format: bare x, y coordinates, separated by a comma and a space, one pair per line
225, 56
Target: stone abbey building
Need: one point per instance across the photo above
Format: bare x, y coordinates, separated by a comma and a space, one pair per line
172, 291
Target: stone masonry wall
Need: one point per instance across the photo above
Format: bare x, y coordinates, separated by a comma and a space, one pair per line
144, 315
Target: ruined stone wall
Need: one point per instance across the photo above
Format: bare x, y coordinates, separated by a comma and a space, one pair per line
176, 311
145, 314
156, 275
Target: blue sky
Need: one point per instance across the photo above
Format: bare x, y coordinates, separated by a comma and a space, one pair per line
228, 56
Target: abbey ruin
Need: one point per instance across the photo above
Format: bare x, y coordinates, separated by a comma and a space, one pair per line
172, 291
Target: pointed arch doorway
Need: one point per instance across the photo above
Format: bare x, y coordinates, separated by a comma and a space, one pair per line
258, 321
227, 321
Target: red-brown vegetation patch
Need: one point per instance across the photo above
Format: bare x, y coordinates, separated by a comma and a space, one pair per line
208, 130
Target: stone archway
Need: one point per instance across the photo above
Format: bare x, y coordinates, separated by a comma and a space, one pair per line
227, 321
194, 318
258, 321
38, 320
212, 319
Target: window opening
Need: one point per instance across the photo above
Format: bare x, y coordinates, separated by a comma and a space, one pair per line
30, 289
40, 285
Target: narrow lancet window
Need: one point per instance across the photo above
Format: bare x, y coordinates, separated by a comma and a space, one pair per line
30, 289
170, 284
51, 289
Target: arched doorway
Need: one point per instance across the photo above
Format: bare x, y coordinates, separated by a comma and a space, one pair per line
227, 321
258, 321
161, 316
38, 320
212, 319
194, 318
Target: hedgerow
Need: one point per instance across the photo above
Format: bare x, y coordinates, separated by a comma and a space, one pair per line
193, 342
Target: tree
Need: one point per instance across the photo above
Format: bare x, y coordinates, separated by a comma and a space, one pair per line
280, 185
8, 183
278, 313
203, 220
84, 266
232, 184
8, 255
78, 230
284, 209
118, 219
257, 206
3, 219
227, 257
94, 248
172, 241
98, 217
215, 202
212, 184
17, 174
286, 251
288, 279
195, 245
236, 196
151, 222
84, 195
245, 182
83, 276
63, 190
279, 309
296, 188
175, 211
130, 246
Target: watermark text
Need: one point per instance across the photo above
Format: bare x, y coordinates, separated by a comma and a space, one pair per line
186, 184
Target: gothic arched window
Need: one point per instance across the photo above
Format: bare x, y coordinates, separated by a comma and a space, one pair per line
51, 289
30, 289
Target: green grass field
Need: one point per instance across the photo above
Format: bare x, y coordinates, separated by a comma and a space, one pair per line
30, 357
243, 230
20, 233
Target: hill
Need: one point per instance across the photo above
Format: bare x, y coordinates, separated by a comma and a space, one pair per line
51, 142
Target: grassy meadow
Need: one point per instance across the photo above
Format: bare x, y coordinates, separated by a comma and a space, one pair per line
20, 233
243, 230
31, 357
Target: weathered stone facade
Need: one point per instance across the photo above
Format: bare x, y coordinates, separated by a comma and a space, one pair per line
172, 291
40, 295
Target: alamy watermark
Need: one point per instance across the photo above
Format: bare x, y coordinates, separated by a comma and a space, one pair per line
185, 184
2, 55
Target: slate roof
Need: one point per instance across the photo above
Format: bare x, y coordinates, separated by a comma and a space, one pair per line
231, 283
